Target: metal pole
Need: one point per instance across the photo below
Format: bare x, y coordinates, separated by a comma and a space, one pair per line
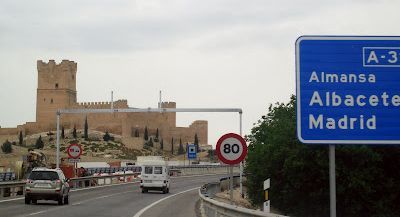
332, 180
241, 163
112, 100
58, 141
159, 102
231, 183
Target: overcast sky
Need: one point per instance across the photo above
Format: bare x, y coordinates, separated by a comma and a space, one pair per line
206, 53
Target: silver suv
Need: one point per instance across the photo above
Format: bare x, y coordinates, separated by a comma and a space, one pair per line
47, 184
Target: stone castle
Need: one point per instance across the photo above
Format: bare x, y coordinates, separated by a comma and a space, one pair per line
57, 90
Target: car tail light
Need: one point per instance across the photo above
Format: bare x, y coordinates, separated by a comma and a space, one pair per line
58, 181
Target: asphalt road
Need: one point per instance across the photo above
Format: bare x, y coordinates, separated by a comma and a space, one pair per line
117, 201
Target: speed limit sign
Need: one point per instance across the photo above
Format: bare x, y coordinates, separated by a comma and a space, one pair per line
231, 148
74, 151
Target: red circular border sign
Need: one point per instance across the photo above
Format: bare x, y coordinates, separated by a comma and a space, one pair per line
69, 154
242, 142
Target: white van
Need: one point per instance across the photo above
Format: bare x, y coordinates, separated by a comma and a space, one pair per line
154, 175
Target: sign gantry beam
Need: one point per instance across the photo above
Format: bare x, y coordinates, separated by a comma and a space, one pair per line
143, 110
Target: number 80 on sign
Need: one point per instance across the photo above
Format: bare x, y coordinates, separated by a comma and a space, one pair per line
231, 148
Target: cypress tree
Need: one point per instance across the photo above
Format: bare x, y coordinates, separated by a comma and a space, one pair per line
74, 133
181, 150
146, 134
62, 132
172, 145
21, 138
196, 142
86, 129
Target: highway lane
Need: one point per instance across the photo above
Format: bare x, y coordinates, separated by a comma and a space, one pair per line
117, 201
183, 205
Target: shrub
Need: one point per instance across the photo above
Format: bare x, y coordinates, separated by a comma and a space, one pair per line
39, 143
6, 147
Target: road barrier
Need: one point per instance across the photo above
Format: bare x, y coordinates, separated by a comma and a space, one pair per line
210, 207
128, 174
12, 189
200, 169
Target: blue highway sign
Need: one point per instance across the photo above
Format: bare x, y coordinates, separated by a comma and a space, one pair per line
191, 151
348, 89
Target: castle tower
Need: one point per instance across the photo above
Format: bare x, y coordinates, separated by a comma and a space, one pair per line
56, 90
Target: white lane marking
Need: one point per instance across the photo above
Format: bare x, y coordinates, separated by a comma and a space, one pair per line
103, 186
138, 214
35, 213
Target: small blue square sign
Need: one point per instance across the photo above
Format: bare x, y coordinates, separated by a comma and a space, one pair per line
191, 151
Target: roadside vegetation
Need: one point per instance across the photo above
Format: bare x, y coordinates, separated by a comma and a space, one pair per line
367, 177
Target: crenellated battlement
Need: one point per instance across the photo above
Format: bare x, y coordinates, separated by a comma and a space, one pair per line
52, 66
102, 105
168, 105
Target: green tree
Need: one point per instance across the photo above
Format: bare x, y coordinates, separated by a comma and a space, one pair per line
156, 139
86, 129
6, 147
196, 142
181, 150
74, 134
162, 144
150, 143
39, 143
20, 139
146, 134
300, 175
62, 132
106, 137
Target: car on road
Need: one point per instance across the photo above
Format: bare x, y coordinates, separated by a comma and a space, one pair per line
47, 184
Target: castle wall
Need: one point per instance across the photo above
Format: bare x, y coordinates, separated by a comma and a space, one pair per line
57, 90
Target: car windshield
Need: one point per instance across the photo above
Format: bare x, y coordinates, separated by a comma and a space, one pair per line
43, 175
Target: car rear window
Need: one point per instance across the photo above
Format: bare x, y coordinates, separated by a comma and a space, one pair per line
148, 170
43, 175
157, 170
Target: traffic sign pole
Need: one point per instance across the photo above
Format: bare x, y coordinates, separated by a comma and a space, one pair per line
231, 183
332, 180
241, 162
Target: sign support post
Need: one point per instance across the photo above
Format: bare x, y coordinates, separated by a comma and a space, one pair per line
231, 183
332, 180
241, 162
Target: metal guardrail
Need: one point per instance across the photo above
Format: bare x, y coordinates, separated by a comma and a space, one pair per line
12, 189
214, 208
7, 176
